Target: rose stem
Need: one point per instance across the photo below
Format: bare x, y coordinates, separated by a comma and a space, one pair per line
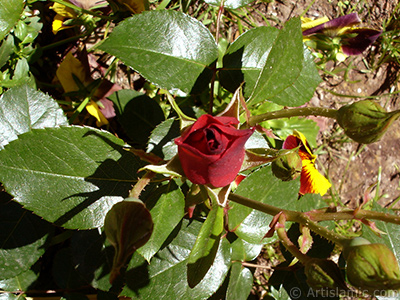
281, 231
294, 112
290, 215
311, 218
141, 184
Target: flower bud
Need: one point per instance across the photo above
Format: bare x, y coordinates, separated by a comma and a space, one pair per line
128, 226
287, 167
365, 121
357, 241
324, 273
372, 268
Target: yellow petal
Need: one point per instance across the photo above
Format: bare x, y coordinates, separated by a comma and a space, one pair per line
94, 110
57, 24
307, 23
312, 181
64, 11
303, 140
71, 65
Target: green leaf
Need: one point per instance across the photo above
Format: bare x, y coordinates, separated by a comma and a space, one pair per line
23, 238
205, 248
284, 127
244, 251
166, 275
272, 64
229, 4
283, 65
137, 113
6, 49
70, 176
10, 12
246, 57
166, 47
304, 87
19, 283
23, 108
252, 225
161, 140
240, 282
167, 208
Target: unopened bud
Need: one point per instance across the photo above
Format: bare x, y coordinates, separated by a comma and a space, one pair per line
287, 167
372, 268
324, 273
365, 121
128, 226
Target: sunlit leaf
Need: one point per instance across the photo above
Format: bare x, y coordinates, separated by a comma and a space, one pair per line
240, 282
10, 12
70, 176
244, 251
6, 49
303, 88
19, 283
23, 108
246, 57
283, 65
272, 64
167, 47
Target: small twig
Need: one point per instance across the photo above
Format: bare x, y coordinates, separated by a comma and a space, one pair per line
250, 265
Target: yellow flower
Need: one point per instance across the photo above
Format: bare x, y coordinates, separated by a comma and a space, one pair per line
63, 13
307, 23
94, 109
72, 67
311, 181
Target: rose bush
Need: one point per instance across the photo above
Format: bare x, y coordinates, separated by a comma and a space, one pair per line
211, 151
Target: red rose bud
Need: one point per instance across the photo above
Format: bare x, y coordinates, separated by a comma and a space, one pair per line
324, 273
287, 167
372, 268
365, 121
211, 151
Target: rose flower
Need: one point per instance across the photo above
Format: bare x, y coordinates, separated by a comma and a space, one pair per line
211, 150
